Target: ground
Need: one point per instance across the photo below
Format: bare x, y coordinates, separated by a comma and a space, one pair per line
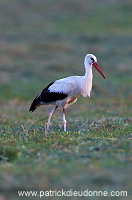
44, 41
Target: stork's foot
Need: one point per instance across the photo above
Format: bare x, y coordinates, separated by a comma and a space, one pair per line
46, 130
64, 123
47, 127
64, 118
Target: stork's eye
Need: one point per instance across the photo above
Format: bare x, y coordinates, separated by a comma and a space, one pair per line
92, 59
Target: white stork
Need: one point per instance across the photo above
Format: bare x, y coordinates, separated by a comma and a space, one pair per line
65, 91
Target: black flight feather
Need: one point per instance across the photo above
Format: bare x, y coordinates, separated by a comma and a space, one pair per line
46, 97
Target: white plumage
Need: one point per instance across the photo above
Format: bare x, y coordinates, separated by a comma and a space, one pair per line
65, 91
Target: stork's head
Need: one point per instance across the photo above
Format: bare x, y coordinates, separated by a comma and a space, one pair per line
90, 60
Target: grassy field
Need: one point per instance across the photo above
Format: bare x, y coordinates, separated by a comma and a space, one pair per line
41, 41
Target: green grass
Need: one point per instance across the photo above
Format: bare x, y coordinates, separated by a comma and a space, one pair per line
44, 41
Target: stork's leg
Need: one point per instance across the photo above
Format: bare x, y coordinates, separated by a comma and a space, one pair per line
49, 118
64, 118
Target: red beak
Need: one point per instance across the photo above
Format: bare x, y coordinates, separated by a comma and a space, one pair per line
95, 64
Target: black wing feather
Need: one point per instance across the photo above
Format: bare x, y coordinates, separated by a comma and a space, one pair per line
46, 97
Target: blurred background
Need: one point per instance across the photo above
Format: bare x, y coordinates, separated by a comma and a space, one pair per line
41, 41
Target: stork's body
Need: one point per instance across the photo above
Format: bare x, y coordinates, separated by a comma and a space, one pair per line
64, 92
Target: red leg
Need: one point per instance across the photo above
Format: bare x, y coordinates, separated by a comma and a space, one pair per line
49, 118
64, 118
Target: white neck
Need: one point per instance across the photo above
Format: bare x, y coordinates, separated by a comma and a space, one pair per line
87, 80
88, 70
